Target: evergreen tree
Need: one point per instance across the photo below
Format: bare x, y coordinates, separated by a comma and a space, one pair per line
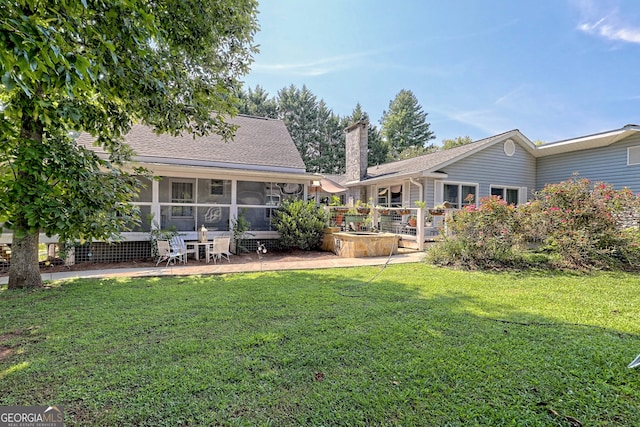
404, 126
332, 150
256, 102
298, 108
455, 142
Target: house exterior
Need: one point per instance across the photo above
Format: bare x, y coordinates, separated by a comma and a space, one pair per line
503, 164
206, 181
612, 157
508, 165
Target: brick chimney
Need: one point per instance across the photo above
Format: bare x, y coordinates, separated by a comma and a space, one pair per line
356, 150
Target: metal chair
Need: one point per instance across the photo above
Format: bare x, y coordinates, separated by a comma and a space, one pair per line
219, 249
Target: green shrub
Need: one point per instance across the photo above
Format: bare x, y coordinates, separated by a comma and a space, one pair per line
300, 224
584, 224
483, 237
571, 224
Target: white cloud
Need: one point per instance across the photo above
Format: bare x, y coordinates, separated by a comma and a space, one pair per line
511, 96
612, 31
321, 66
609, 24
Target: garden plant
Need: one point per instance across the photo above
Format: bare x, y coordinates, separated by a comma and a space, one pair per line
574, 224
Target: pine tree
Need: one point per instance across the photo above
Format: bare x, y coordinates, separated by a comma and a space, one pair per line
404, 126
256, 102
298, 108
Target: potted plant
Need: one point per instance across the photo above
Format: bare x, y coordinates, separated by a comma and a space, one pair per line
362, 207
413, 221
383, 210
437, 210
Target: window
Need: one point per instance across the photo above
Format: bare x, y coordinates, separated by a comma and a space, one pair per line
181, 192
217, 187
510, 195
390, 197
633, 156
459, 195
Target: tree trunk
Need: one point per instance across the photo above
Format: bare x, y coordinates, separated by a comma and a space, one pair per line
24, 271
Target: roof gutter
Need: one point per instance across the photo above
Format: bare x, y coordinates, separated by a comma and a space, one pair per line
419, 184
396, 177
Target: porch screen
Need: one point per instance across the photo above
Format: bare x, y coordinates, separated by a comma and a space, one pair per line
181, 192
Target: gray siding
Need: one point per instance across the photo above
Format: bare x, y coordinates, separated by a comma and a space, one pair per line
492, 166
605, 164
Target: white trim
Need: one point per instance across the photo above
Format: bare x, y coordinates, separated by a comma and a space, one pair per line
509, 148
461, 184
508, 187
637, 155
192, 204
523, 196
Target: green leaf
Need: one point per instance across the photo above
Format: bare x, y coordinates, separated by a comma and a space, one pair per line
8, 82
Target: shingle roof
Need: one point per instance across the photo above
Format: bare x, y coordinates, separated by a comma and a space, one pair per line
432, 162
258, 142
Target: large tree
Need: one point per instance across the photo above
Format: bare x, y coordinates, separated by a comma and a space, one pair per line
298, 108
256, 102
456, 142
331, 156
405, 127
98, 66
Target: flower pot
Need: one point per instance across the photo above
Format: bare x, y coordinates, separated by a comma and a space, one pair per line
412, 222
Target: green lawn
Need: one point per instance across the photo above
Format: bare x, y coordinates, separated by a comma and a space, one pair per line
416, 346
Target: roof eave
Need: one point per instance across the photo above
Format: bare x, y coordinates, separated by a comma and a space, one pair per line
396, 177
586, 142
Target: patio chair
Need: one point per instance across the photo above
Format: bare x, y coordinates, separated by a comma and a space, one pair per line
219, 249
178, 245
166, 253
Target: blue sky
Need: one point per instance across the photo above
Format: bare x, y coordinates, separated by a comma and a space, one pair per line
555, 69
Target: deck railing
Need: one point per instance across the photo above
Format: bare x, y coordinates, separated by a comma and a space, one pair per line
390, 220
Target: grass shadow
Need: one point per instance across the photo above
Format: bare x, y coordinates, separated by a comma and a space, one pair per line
416, 345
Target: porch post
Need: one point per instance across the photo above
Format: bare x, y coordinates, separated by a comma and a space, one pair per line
155, 203
420, 228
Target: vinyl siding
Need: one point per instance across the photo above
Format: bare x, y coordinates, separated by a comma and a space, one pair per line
604, 164
492, 167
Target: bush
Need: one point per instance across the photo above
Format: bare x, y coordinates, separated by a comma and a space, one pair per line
569, 225
583, 224
300, 224
483, 237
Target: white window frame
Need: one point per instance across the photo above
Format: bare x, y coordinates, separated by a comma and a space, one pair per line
214, 185
461, 197
504, 188
636, 155
191, 204
389, 203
